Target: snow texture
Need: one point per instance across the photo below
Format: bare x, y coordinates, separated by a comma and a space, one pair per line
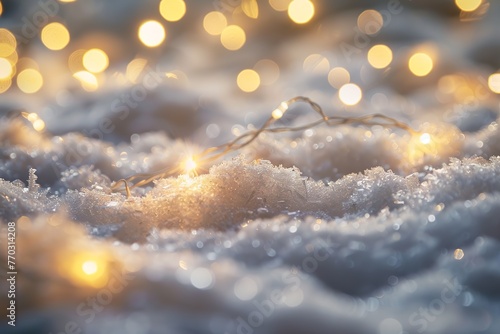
347, 229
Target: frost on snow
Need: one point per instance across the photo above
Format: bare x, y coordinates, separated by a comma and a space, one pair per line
359, 251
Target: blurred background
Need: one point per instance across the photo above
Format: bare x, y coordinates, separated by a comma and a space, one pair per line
208, 70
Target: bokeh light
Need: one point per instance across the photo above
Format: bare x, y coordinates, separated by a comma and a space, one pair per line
370, 22
214, 23
233, 37
280, 5
350, 94
301, 11
494, 83
248, 80
268, 71
6, 69
316, 63
468, 5
420, 64
172, 10
380, 56
55, 36
29, 81
95, 60
338, 76
151, 33
87, 80
425, 138
135, 68
8, 42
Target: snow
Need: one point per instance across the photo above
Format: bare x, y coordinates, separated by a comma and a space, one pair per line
345, 229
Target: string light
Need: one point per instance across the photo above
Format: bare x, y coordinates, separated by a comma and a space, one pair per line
214, 153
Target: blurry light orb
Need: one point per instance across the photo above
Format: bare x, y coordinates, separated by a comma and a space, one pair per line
280, 5
425, 138
89, 267
370, 22
202, 278
245, 289
29, 81
39, 125
6, 69
494, 83
55, 36
233, 37
301, 11
5, 84
338, 76
420, 64
8, 43
248, 80
88, 80
95, 60
151, 33
268, 71
214, 23
350, 94
172, 10
468, 5
380, 56
317, 64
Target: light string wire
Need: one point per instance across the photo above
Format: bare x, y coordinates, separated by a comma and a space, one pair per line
212, 154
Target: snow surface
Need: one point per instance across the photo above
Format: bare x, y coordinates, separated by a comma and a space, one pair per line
331, 230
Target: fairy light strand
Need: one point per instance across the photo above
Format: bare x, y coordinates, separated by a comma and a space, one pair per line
212, 154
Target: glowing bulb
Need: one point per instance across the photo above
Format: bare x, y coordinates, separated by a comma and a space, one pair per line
280, 111
189, 165
425, 138
494, 83
29, 81
248, 80
420, 64
458, 254
95, 60
301, 11
39, 125
380, 56
468, 5
214, 23
233, 37
151, 33
172, 10
350, 94
89, 267
55, 36
5, 69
